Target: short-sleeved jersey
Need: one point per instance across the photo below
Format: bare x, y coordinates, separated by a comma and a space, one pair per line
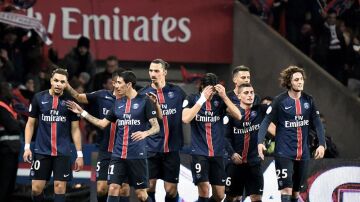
243, 134
103, 101
131, 115
207, 127
293, 119
53, 136
234, 99
170, 137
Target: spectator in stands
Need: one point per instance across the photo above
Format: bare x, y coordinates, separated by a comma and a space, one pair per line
10, 130
354, 65
330, 49
100, 78
79, 59
7, 71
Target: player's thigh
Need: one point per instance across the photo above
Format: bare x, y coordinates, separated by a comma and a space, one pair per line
155, 166
199, 168
234, 183
138, 173
117, 171
254, 180
301, 169
284, 172
171, 167
102, 166
41, 167
62, 168
217, 173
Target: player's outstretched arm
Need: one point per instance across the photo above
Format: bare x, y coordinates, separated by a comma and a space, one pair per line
80, 97
140, 135
29, 131
76, 136
231, 108
74, 107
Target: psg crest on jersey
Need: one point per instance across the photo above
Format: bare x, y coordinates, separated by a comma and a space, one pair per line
171, 94
216, 103
253, 113
62, 103
135, 106
306, 105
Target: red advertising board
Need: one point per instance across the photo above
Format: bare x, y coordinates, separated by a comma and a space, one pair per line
141, 30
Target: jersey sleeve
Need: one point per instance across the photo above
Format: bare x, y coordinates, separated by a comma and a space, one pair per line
111, 114
34, 108
316, 122
91, 97
189, 101
271, 116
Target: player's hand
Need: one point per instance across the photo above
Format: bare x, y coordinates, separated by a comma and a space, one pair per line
152, 97
79, 164
74, 107
220, 90
27, 156
319, 153
139, 135
261, 149
236, 158
208, 92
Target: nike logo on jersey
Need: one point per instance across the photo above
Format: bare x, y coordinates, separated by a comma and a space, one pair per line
139, 183
66, 175
286, 108
44, 102
121, 106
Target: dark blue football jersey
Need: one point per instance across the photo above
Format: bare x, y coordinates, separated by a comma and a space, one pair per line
131, 115
243, 134
103, 101
170, 137
293, 119
207, 127
53, 136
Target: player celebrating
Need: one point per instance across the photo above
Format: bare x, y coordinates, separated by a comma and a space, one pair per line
206, 113
245, 170
56, 124
292, 112
132, 113
102, 101
163, 155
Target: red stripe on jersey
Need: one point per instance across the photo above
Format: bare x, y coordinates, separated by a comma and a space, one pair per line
298, 131
246, 138
208, 132
126, 132
55, 103
112, 137
161, 98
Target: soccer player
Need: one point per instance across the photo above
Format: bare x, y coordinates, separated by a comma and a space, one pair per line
132, 113
245, 170
241, 74
56, 125
103, 101
292, 112
163, 155
206, 112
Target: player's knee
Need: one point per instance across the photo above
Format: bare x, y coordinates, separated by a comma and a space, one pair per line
255, 198
36, 190
152, 185
114, 189
171, 190
286, 191
218, 192
124, 190
59, 187
141, 194
102, 189
203, 189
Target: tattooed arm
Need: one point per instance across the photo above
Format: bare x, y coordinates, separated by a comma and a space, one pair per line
155, 128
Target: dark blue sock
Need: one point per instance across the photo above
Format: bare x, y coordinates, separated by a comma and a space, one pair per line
203, 199
113, 199
285, 198
294, 200
152, 196
59, 198
101, 198
38, 198
171, 199
124, 199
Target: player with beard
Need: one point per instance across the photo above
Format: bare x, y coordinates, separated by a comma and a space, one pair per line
163, 155
206, 113
293, 112
52, 152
